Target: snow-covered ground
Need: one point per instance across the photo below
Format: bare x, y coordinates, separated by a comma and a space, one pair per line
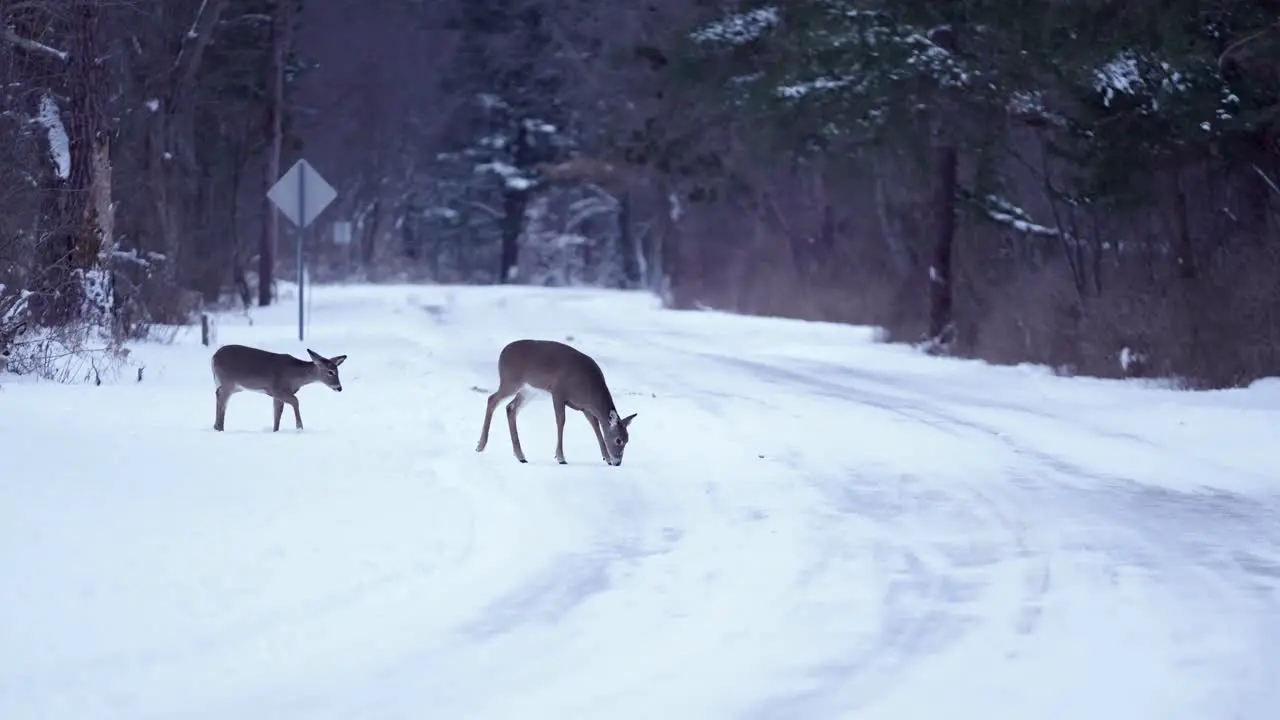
808, 524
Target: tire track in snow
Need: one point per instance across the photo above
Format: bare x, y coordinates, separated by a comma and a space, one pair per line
560, 586
1159, 542
1027, 490
919, 593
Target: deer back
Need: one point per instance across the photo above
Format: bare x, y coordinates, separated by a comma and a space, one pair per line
556, 368
259, 370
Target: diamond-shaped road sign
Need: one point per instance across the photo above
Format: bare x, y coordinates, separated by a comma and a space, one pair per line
301, 194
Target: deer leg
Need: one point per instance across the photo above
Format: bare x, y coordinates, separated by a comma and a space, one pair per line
503, 392
278, 408
513, 408
595, 425
221, 395
292, 401
557, 402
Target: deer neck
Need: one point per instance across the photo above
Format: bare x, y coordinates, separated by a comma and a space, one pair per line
301, 377
603, 407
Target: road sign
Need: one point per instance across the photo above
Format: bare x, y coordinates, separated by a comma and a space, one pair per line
342, 233
301, 194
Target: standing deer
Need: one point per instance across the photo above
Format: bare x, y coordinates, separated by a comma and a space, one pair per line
574, 380
279, 375
7, 338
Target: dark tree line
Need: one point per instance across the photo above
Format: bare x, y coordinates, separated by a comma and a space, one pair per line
1090, 185
136, 135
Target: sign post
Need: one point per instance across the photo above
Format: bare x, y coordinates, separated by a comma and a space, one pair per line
301, 194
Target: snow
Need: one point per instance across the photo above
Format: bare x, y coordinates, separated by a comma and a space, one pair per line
512, 177
822, 84
1127, 74
59, 143
808, 524
194, 32
1130, 359
536, 126
1120, 75
739, 28
132, 257
1006, 213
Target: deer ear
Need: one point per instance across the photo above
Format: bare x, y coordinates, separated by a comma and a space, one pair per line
613, 418
626, 421
338, 360
315, 357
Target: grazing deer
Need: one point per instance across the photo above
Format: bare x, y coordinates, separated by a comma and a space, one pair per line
237, 367
7, 338
574, 380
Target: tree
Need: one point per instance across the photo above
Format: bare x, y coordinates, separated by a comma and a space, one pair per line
273, 138
515, 120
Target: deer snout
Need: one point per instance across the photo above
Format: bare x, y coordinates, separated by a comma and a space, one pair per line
337, 387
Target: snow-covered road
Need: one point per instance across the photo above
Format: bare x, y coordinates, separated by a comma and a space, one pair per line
808, 525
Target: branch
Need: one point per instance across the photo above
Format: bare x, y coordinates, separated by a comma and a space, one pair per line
187, 62
1235, 47
580, 169
10, 35
1266, 178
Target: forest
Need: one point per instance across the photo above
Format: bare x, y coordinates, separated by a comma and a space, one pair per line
1089, 185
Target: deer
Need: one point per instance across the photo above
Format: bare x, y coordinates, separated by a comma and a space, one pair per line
573, 379
279, 375
8, 336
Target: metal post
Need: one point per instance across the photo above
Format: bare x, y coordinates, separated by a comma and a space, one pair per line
302, 231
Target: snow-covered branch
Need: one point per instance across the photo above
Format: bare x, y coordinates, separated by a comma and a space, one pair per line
1006, 213
739, 28
11, 36
132, 257
511, 176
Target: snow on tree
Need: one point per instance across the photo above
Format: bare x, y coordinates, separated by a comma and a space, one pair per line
50, 118
570, 239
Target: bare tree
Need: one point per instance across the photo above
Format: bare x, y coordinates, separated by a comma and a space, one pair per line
281, 41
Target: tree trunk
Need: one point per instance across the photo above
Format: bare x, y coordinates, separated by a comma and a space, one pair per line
239, 278
629, 249
281, 37
171, 140
891, 229
945, 168
369, 232
1183, 255
666, 266
941, 321
79, 285
514, 203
